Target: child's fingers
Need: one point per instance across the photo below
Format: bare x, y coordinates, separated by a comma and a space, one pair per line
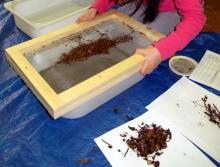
79, 20
146, 67
152, 59
82, 18
141, 51
87, 15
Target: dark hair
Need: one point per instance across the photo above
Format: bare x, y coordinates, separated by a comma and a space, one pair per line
150, 12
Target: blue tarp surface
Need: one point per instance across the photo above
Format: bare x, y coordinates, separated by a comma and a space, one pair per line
30, 137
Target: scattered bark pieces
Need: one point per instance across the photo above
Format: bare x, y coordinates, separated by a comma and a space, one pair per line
211, 111
109, 145
126, 152
124, 135
132, 128
85, 161
149, 142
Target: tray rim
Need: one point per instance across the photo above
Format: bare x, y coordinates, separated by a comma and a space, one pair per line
8, 6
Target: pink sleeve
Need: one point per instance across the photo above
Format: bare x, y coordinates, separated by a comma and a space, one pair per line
192, 22
103, 5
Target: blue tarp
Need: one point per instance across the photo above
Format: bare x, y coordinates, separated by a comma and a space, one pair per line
30, 137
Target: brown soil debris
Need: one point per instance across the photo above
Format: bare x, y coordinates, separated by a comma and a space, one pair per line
149, 142
99, 46
211, 111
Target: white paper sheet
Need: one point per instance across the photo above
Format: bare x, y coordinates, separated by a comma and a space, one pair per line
208, 70
180, 152
182, 106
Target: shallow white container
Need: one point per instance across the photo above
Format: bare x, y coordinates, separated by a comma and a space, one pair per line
37, 17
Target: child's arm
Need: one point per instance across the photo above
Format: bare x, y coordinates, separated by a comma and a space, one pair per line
192, 22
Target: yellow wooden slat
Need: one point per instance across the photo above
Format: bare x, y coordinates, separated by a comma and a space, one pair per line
102, 86
34, 79
101, 78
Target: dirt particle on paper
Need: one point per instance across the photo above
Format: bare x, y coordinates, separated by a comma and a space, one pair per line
211, 111
108, 144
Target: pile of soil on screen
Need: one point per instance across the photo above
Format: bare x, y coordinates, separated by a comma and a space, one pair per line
96, 47
212, 111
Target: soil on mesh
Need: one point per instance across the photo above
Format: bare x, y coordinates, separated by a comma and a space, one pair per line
97, 47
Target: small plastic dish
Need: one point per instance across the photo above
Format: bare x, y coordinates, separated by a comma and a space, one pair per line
182, 65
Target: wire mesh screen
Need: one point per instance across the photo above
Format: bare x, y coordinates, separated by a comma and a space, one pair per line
73, 59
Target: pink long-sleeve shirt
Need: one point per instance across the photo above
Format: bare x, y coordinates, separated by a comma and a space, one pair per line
192, 22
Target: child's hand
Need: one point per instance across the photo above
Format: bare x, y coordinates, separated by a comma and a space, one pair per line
152, 59
89, 14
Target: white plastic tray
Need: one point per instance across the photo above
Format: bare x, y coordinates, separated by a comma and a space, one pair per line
37, 17
86, 84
